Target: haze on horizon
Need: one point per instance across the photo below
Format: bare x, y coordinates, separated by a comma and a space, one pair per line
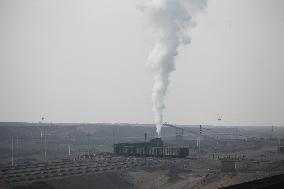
84, 61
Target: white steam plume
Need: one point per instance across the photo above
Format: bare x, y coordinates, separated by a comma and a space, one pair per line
170, 21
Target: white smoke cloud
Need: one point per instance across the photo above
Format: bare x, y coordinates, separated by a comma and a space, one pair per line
170, 22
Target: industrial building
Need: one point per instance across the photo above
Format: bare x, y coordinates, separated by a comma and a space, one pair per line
153, 148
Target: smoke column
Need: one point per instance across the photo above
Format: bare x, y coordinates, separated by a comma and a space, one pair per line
170, 22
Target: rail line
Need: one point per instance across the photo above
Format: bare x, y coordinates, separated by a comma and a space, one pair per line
28, 172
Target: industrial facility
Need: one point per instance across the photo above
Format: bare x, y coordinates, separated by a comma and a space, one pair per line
153, 148
109, 156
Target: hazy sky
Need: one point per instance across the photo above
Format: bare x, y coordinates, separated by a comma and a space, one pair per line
84, 61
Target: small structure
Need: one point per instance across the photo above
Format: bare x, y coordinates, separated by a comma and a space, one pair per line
280, 145
229, 164
281, 149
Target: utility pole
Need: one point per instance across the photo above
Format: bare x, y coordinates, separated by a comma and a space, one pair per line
113, 136
69, 150
217, 142
42, 140
272, 131
197, 142
45, 147
17, 147
69, 146
198, 138
279, 143
88, 144
200, 132
145, 137
12, 150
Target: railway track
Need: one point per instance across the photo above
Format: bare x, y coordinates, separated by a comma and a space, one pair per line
28, 172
